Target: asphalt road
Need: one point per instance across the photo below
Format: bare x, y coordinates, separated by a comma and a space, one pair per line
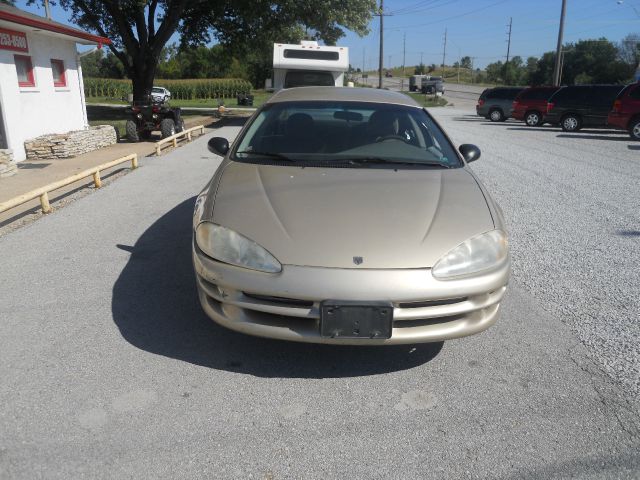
110, 369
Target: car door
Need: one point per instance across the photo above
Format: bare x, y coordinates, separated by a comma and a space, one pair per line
598, 105
631, 104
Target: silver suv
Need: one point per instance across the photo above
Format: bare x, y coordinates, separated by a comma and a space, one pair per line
160, 94
496, 104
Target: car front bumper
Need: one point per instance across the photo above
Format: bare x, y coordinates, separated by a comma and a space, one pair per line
286, 305
618, 120
518, 114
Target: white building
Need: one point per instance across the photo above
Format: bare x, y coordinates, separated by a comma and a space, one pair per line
41, 88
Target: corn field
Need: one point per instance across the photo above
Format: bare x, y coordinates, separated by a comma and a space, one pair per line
192, 89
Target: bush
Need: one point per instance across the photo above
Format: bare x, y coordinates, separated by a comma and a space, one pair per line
180, 89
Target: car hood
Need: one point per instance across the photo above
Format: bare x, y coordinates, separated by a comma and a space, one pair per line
326, 217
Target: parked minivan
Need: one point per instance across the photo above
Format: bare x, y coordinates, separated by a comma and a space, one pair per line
531, 104
625, 113
496, 104
578, 106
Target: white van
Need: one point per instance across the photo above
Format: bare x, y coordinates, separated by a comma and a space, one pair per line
308, 64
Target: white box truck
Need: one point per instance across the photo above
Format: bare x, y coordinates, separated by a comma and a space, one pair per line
308, 64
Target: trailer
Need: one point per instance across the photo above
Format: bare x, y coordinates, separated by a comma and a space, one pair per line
415, 82
308, 64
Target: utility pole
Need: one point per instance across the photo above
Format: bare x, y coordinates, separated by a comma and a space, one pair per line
556, 70
472, 59
444, 51
506, 65
381, 44
404, 51
46, 9
364, 51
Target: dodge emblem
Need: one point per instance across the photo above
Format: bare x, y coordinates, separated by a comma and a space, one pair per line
357, 260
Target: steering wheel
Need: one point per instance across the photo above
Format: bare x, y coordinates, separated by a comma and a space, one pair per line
384, 138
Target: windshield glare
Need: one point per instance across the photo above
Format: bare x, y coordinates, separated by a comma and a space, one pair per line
335, 132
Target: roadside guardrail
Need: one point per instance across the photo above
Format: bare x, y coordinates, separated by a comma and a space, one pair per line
173, 139
43, 192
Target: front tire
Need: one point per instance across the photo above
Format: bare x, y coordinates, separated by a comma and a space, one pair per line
533, 119
571, 123
132, 131
167, 127
496, 115
634, 129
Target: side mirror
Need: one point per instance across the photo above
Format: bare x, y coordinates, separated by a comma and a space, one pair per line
469, 152
218, 145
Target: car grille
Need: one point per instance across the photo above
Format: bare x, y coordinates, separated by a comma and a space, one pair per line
406, 314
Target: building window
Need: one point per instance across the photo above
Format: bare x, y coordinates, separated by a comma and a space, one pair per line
24, 68
59, 77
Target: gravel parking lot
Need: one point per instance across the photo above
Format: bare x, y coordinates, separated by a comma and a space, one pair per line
572, 201
111, 370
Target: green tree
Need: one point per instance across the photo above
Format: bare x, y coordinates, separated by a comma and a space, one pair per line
91, 64
531, 66
594, 60
465, 62
629, 49
140, 29
543, 74
495, 72
420, 69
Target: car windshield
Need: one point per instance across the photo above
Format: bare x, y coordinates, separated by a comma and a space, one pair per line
156, 90
345, 134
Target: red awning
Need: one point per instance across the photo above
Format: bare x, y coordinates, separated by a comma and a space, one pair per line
20, 17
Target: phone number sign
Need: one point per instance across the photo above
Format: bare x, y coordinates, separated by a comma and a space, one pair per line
12, 40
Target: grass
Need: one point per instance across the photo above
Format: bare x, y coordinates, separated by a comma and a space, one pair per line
427, 100
259, 97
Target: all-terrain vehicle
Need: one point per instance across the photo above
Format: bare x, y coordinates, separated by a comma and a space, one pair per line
150, 115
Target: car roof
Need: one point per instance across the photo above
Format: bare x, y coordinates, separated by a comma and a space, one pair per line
343, 94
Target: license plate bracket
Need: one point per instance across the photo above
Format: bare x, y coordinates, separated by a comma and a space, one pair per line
351, 319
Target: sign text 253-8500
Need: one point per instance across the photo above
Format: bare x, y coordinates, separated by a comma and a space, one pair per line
12, 40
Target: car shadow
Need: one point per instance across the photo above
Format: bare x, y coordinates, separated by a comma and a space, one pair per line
234, 121
469, 118
628, 233
593, 137
156, 308
633, 147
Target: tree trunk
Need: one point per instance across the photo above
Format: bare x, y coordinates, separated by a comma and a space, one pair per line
143, 74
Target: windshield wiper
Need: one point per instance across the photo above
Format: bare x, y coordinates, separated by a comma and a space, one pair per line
266, 154
386, 161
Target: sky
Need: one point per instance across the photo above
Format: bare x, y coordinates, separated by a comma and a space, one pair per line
477, 28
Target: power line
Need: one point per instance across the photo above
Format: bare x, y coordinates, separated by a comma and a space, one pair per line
450, 18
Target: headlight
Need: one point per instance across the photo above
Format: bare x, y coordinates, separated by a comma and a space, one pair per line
230, 247
482, 252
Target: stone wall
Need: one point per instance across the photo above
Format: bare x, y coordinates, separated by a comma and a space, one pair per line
7, 165
72, 144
